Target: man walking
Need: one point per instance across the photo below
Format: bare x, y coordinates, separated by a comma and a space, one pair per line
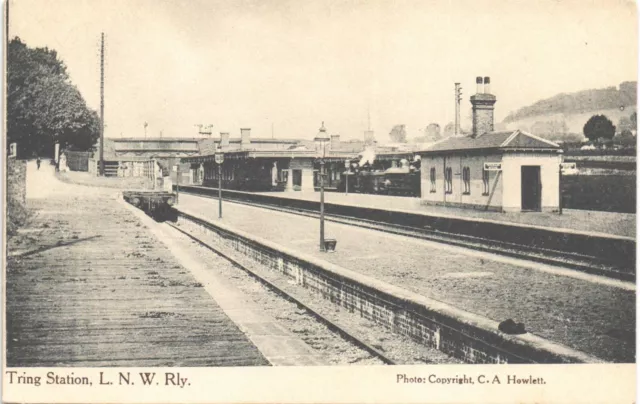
38, 162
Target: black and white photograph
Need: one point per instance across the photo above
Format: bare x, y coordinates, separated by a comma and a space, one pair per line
320, 195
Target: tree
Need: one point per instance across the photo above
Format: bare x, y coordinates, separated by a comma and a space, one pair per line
43, 107
398, 134
432, 132
624, 124
599, 128
625, 138
449, 129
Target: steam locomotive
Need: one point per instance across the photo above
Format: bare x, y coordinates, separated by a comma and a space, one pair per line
403, 180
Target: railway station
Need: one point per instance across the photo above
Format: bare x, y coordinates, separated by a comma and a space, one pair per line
454, 266
243, 202
390, 255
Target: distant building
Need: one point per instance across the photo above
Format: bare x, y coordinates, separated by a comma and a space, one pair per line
260, 164
138, 157
489, 170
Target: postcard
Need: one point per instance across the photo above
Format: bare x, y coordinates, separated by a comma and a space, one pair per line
322, 201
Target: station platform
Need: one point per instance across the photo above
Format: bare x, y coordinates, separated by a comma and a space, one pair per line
88, 285
596, 222
592, 314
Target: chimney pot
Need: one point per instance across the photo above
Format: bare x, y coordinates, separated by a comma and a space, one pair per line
478, 85
487, 86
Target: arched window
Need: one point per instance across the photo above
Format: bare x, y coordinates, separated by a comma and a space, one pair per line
485, 182
466, 180
448, 178
432, 177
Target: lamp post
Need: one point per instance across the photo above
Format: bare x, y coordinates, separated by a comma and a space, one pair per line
346, 176
178, 182
321, 141
219, 158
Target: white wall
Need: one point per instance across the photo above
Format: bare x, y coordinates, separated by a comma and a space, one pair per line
549, 178
505, 187
476, 197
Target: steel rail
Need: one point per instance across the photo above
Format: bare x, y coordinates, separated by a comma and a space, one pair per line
291, 297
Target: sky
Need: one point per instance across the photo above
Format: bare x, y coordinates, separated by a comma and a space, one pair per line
282, 67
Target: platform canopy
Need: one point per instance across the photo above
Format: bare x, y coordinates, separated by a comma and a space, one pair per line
272, 154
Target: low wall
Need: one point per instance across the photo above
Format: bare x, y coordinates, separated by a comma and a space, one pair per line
78, 161
17, 179
16, 197
609, 250
460, 334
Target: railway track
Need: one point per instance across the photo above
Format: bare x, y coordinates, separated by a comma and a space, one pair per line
579, 262
290, 296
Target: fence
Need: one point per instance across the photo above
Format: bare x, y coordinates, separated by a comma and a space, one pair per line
78, 161
123, 168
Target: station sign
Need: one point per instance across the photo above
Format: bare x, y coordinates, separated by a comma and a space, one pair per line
493, 166
567, 167
219, 158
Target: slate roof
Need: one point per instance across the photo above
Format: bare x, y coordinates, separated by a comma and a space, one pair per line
503, 140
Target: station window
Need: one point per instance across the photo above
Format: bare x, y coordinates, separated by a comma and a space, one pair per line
448, 180
485, 182
432, 177
466, 180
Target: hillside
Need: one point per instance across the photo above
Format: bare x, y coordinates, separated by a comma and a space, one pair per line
557, 125
593, 100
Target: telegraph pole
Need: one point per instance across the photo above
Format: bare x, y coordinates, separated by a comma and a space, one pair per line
458, 94
102, 105
7, 24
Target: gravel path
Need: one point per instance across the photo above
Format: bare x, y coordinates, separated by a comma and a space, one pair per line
596, 319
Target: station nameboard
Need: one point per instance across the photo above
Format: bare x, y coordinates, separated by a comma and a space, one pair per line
493, 166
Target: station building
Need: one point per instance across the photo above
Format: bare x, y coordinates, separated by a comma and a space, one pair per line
509, 171
141, 157
269, 164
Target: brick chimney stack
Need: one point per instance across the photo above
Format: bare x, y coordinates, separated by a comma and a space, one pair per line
245, 137
482, 105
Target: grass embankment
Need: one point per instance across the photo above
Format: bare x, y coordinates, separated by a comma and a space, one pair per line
607, 193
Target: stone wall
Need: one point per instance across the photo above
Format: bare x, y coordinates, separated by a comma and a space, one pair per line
460, 334
16, 193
